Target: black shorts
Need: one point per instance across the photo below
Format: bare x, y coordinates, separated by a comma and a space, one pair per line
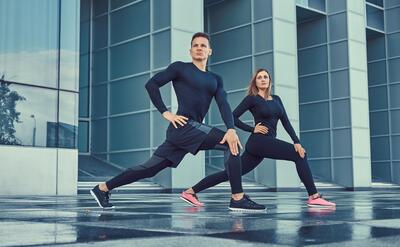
185, 139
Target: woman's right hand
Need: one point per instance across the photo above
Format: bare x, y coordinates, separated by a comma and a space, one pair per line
175, 119
260, 129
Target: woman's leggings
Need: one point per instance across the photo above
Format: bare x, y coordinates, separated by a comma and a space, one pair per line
257, 149
155, 164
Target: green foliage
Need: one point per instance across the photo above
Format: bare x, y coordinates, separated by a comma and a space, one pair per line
8, 113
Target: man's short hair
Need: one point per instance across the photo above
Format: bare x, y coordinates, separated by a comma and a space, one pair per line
201, 34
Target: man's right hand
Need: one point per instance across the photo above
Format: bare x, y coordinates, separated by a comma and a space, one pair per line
175, 119
260, 129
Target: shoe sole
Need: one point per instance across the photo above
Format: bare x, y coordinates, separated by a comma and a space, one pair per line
320, 206
98, 202
191, 203
247, 210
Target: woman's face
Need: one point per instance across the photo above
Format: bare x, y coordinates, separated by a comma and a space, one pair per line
262, 80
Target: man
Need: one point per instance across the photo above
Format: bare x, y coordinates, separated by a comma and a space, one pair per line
194, 87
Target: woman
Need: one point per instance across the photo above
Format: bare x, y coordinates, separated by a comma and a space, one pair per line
266, 109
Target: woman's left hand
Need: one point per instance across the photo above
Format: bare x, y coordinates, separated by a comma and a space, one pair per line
299, 149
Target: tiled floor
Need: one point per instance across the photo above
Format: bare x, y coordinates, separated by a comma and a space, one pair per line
368, 218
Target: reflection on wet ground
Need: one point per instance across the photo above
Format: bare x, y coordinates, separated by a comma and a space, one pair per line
154, 219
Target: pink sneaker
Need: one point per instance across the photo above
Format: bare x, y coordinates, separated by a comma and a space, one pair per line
191, 199
319, 202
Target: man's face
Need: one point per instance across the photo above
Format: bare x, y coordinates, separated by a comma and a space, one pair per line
200, 49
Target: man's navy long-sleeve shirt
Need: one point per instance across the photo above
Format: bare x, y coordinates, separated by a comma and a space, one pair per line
194, 90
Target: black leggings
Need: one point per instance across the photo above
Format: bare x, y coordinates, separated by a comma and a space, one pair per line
155, 164
258, 148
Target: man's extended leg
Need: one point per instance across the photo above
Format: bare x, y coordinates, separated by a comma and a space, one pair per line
148, 169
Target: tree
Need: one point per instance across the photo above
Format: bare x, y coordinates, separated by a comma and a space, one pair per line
8, 113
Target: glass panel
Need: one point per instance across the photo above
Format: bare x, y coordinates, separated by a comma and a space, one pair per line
99, 69
83, 137
314, 116
100, 6
381, 171
377, 73
317, 4
376, 48
85, 10
84, 37
393, 44
100, 32
28, 115
84, 102
394, 72
341, 142
380, 149
392, 19
29, 42
336, 6
395, 118
124, 58
337, 26
118, 3
225, 49
129, 95
375, 18
395, 95
68, 120
378, 98
340, 84
317, 144
236, 74
312, 32
227, 14
341, 113
130, 159
319, 57
339, 55
312, 88
263, 36
138, 17
99, 101
265, 61
161, 14
99, 135
321, 169
379, 123
262, 9
159, 128
376, 2
161, 49
129, 132
69, 46
84, 71
395, 147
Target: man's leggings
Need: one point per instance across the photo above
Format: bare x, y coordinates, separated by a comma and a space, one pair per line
155, 164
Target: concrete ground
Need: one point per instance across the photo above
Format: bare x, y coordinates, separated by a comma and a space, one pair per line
367, 218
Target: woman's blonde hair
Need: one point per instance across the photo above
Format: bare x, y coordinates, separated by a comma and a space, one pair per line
253, 90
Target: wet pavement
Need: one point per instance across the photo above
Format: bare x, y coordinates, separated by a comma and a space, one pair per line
367, 218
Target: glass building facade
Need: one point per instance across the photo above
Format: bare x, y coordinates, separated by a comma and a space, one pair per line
334, 63
39, 70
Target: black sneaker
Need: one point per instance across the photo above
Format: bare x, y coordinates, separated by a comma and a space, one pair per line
101, 197
246, 205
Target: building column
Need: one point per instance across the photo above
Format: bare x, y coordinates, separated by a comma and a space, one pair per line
359, 108
186, 19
